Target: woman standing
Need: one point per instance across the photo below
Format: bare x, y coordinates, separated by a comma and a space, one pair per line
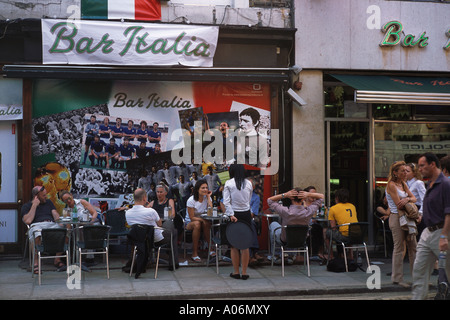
417, 187
398, 194
237, 194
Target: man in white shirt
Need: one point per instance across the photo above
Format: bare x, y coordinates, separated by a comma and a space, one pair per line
140, 214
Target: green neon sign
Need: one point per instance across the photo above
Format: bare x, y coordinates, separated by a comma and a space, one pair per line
393, 36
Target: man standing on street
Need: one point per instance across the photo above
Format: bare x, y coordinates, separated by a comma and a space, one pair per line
436, 216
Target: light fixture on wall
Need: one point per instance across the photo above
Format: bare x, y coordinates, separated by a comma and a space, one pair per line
296, 69
294, 96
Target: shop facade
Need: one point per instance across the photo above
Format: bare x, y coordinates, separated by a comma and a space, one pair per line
376, 79
249, 68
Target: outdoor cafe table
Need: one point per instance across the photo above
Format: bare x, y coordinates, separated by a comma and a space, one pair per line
71, 225
219, 218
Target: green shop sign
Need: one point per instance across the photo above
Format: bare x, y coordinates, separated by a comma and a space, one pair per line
394, 35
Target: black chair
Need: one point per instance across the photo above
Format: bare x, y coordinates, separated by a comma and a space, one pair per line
141, 236
187, 234
357, 233
385, 232
93, 239
116, 220
295, 243
145, 236
53, 241
218, 236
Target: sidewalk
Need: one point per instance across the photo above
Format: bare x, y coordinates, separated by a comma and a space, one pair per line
191, 282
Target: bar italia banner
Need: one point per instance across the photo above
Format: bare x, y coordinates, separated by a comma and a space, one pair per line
121, 9
81, 42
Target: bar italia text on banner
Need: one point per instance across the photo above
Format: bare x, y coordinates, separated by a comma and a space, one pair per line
126, 43
121, 9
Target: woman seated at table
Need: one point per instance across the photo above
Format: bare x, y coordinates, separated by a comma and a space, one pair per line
196, 205
82, 206
159, 204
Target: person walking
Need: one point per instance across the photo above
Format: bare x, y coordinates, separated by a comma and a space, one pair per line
237, 194
436, 217
398, 195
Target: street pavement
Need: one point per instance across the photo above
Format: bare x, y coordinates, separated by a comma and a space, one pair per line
196, 281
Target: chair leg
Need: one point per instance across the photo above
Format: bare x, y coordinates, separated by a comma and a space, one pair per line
345, 257
132, 260
39, 267
79, 254
157, 263
367, 258
107, 261
217, 260
282, 261
307, 262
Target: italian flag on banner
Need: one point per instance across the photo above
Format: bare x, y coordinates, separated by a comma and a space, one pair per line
121, 9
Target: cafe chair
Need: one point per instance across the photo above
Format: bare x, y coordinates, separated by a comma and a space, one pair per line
187, 234
53, 241
93, 239
147, 234
218, 236
295, 243
357, 232
383, 229
116, 220
165, 247
141, 237
28, 247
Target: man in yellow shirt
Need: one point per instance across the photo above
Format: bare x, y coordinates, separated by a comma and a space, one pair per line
341, 213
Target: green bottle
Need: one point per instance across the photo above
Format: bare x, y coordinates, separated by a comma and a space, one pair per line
75, 214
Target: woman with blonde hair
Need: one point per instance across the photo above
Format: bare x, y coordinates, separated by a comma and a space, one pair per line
398, 195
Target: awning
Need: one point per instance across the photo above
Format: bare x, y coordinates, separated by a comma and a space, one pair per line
272, 75
398, 90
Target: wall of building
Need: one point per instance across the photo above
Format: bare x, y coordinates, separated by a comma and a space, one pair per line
347, 34
215, 12
308, 134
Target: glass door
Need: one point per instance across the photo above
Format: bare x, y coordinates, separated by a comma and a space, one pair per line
347, 148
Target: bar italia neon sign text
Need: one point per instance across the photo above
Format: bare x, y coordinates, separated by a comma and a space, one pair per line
393, 31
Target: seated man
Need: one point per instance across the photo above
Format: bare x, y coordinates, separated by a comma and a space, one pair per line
140, 214
341, 213
295, 214
40, 213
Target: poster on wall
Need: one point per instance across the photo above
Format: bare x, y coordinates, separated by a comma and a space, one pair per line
103, 140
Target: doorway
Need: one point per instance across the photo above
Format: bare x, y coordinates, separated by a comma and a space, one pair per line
347, 148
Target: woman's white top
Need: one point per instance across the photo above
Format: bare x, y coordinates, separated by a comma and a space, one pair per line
237, 200
417, 188
402, 194
199, 207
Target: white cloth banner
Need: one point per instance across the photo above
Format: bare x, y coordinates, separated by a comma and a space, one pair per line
11, 112
83, 42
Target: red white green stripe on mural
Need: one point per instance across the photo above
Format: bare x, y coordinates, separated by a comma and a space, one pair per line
121, 9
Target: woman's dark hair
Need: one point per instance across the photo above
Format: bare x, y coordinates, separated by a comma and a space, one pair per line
197, 186
237, 171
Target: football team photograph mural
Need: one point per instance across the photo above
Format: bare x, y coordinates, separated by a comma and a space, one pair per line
101, 140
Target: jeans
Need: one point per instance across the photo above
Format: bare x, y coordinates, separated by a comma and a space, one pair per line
274, 225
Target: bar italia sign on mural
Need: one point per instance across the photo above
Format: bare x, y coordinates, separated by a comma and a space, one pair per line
126, 43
